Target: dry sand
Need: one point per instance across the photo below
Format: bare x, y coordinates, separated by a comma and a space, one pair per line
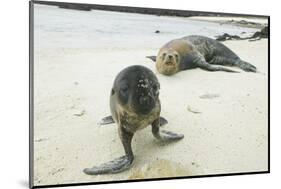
222, 115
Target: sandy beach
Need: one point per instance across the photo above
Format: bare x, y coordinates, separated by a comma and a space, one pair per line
222, 115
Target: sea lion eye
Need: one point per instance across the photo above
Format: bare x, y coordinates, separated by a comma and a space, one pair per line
124, 93
124, 88
163, 56
177, 57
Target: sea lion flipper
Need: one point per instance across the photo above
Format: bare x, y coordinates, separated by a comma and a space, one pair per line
169, 136
236, 61
115, 166
106, 120
246, 66
209, 67
162, 121
164, 135
153, 58
119, 164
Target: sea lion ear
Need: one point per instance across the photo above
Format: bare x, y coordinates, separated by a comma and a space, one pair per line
153, 58
112, 92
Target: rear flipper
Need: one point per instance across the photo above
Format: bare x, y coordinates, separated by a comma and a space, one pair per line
209, 67
153, 58
233, 62
164, 135
115, 166
246, 66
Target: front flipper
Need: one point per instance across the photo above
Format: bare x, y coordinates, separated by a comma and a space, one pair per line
120, 164
115, 166
106, 120
209, 67
153, 58
164, 135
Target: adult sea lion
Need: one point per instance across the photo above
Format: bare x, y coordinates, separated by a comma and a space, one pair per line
134, 104
197, 51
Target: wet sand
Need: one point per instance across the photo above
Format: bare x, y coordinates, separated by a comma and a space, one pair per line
222, 115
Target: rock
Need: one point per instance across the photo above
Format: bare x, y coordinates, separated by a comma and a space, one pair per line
79, 112
193, 110
226, 36
256, 36
40, 139
261, 34
209, 96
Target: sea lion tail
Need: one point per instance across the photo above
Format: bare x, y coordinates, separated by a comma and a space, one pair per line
246, 66
153, 58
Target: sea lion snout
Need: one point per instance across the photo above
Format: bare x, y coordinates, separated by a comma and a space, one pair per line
146, 103
170, 59
145, 100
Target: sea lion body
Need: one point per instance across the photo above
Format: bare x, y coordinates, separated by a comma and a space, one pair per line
134, 105
197, 51
137, 122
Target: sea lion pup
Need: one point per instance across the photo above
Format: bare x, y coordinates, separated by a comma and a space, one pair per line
134, 104
197, 51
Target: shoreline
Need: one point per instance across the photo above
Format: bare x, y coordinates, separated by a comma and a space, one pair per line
142, 10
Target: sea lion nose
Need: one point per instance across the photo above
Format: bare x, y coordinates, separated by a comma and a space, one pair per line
170, 56
144, 100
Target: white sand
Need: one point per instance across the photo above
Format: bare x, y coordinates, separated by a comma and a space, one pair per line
72, 87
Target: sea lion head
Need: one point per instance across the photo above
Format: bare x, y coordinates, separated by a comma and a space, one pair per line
168, 61
137, 89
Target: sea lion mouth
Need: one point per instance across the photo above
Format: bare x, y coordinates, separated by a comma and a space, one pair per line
169, 63
169, 69
145, 111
